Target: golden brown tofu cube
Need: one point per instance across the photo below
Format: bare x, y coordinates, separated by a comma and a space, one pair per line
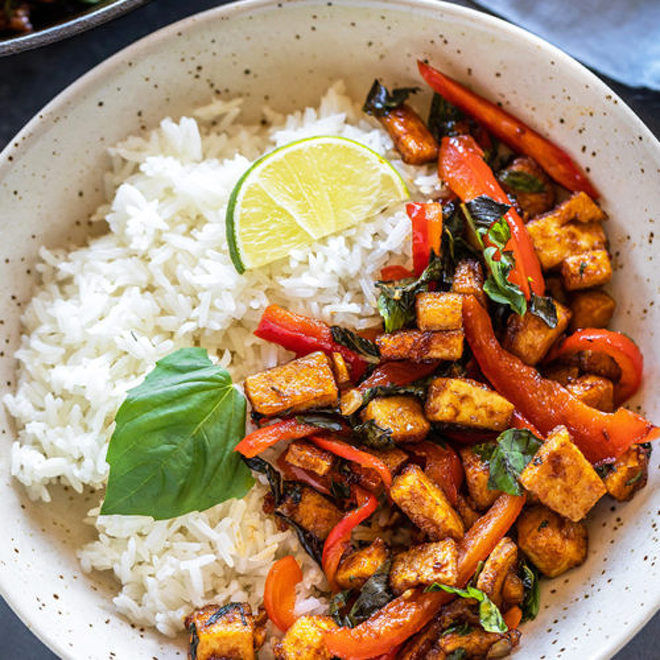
570, 228
307, 456
466, 511
425, 504
599, 364
554, 288
223, 632
552, 543
562, 478
530, 337
310, 510
340, 369
562, 373
477, 643
420, 346
591, 309
469, 280
350, 401
394, 458
360, 565
412, 139
589, 269
425, 564
629, 473
439, 311
467, 402
530, 185
304, 640
476, 478
307, 382
595, 391
513, 590
499, 564
402, 415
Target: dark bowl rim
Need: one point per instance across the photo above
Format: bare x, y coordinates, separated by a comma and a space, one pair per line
67, 28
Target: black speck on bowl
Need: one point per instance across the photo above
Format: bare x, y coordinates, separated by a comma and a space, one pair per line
88, 17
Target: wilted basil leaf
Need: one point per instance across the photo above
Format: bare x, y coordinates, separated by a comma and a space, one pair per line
337, 603
458, 654
274, 480
521, 181
172, 450
532, 599
364, 347
545, 308
485, 211
414, 389
375, 594
321, 421
457, 629
374, 436
380, 101
443, 117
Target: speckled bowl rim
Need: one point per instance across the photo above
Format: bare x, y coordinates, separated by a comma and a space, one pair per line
33, 128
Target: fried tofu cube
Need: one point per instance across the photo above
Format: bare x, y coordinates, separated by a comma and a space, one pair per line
310, 510
350, 401
476, 478
425, 564
420, 346
467, 402
534, 193
629, 473
402, 415
562, 373
513, 589
499, 564
589, 269
307, 456
360, 565
477, 643
466, 511
562, 478
570, 228
595, 391
340, 369
599, 364
425, 504
394, 458
304, 640
223, 632
553, 544
530, 337
591, 309
554, 288
469, 279
412, 139
307, 382
439, 311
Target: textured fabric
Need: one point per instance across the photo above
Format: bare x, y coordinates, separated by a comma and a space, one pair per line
618, 38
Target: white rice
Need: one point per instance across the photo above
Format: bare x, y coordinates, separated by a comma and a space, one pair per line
160, 279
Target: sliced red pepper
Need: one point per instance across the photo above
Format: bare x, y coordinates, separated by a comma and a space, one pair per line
469, 436
620, 348
351, 453
304, 335
462, 166
280, 592
443, 466
520, 137
394, 273
409, 613
257, 441
340, 535
426, 221
519, 421
397, 373
600, 436
295, 473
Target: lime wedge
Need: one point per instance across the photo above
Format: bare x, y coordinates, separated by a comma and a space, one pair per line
304, 191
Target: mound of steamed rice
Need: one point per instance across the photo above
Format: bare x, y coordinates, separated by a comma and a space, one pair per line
160, 279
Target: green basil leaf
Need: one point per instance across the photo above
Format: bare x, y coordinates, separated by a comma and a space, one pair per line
485, 211
545, 308
489, 615
337, 603
372, 435
379, 101
364, 347
375, 594
521, 181
457, 654
443, 117
258, 464
414, 389
172, 451
603, 469
532, 599
321, 421
457, 629
514, 449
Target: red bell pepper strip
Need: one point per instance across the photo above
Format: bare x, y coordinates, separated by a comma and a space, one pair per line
280, 592
426, 221
350, 453
410, 612
443, 466
295, 473
519, 421
340, 535
622, 349
462, 166
599, 436
394, 273
512, 617
397, 373
257, 441
304, 335
520, 137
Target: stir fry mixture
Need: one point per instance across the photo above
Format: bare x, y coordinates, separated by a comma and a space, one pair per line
438, 466
19, 17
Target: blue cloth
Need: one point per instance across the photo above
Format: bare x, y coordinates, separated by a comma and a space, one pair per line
618, 38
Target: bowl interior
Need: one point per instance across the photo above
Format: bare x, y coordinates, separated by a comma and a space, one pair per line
286, 55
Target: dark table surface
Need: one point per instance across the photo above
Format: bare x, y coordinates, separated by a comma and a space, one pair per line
29, 80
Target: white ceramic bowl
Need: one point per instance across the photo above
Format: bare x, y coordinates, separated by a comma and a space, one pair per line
287, 53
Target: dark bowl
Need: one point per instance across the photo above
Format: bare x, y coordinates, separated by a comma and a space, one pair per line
87, 17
